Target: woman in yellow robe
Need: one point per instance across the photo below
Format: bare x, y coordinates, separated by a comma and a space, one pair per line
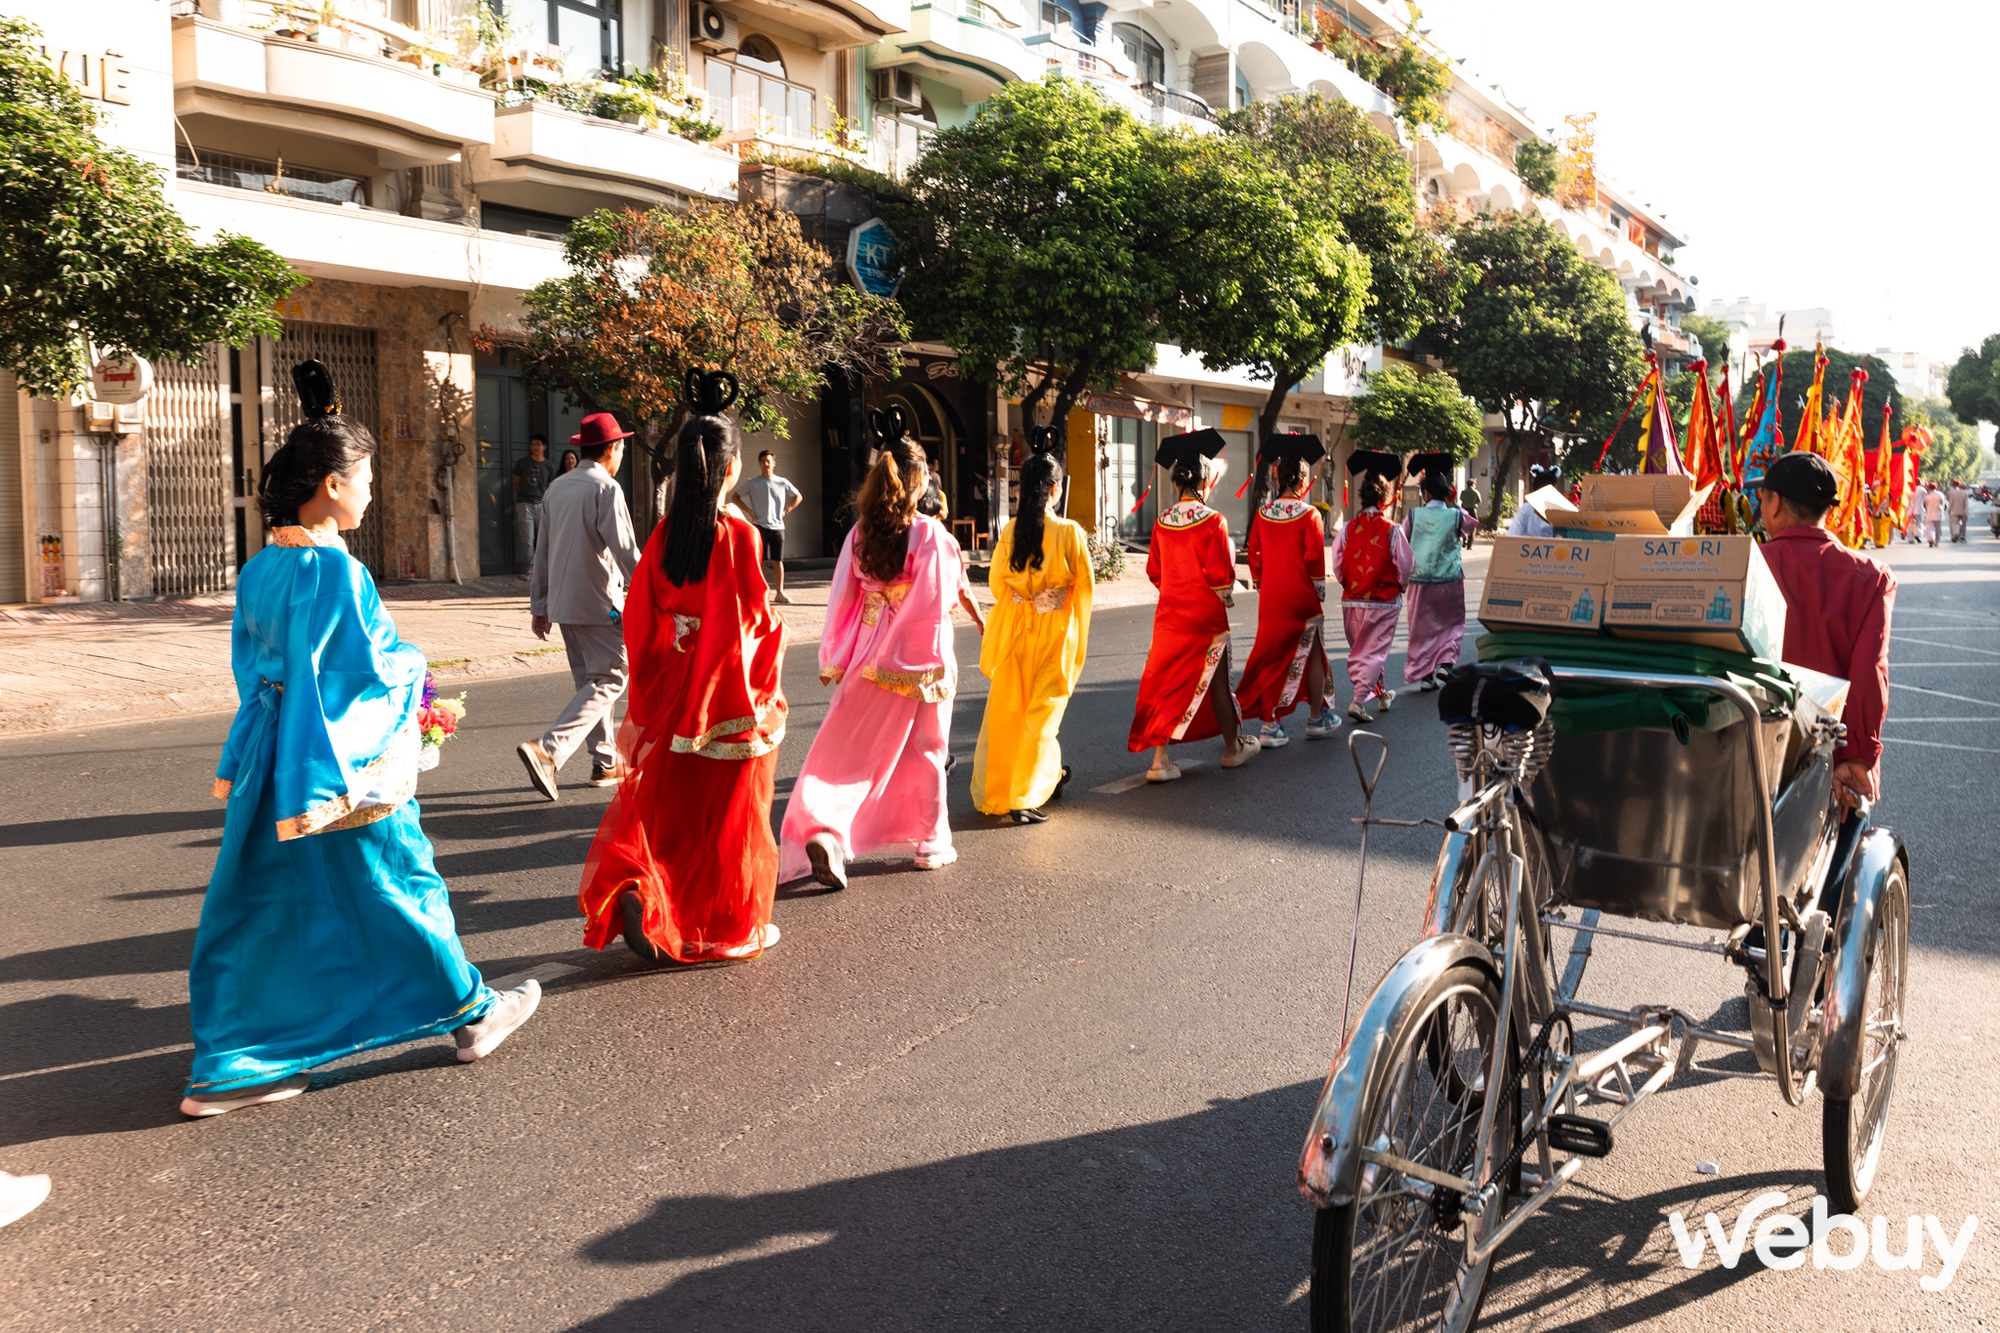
1036, 637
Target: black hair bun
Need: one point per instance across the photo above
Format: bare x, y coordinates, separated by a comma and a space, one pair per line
1041, 439
316, 393
890, 424
710, 393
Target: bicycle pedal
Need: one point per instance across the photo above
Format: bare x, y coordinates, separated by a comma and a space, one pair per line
1580, 1135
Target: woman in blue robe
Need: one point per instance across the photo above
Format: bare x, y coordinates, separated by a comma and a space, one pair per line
326, 929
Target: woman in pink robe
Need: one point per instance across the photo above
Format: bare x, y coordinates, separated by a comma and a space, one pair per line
876, 772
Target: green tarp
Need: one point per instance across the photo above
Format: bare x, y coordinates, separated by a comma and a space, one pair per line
1581, 710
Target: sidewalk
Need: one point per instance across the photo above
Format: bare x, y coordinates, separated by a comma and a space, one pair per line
96, 663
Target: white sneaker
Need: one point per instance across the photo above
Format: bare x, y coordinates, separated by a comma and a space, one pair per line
509, 1011
935, 858
1166, 772
1384, 699
1247, 749
1357, 713
1325, 724
1273, 736
766, 936
20, 1195
220, 1103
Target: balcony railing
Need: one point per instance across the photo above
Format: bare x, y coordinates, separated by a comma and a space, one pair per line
992, 15
1174, 99
269, 177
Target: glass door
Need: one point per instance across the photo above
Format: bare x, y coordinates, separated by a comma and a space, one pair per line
501, 412
1132, 445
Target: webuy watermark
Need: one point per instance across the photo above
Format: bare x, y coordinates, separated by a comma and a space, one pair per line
1783, 1241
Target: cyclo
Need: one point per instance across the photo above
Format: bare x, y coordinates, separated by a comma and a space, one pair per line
1688, 786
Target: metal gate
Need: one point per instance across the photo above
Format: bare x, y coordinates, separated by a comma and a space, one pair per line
188, 485
13, 507
349, 353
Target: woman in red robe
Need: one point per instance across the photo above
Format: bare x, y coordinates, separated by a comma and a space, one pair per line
1287, 552
1193, 565
684, 864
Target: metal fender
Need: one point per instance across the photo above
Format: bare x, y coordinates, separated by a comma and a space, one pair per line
1328, 1164
1847, 988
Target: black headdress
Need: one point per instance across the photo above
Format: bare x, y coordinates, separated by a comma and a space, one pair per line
1293, 444
710, 392
1189, 448
316, 393
890, 424
1041, 439
1386, 466
1440, 463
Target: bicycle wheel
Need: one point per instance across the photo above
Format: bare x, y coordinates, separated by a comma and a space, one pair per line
1394, 1257
1851, 1128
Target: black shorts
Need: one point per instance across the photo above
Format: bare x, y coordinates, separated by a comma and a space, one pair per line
774, 542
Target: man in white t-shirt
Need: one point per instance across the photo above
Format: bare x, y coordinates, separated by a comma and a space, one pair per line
1933, 512
765, 499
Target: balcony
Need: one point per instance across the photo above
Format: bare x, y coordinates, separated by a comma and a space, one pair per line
409, 116
971, 45
330, 240
837, 24
537, 144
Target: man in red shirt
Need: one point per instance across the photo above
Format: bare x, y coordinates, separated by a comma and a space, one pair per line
1837, 609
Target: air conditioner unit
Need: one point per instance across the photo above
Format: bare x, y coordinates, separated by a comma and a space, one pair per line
898, 90
711, 30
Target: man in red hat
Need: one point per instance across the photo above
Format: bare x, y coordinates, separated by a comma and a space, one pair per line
584, 558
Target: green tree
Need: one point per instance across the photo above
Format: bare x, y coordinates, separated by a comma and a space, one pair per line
1713, 335
1403, 67
1541, 166
651, 296
1974, 384
1335, 160
1955, 450
1541, 338
1041, 240
1404, 412
1880, 388
90, 250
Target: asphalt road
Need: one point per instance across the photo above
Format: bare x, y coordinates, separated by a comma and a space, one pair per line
1059, 1085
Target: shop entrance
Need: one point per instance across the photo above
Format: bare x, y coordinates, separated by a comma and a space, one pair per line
503, 422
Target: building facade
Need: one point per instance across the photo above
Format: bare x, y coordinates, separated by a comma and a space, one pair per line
418, 161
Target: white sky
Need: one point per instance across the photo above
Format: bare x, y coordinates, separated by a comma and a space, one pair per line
1814, 154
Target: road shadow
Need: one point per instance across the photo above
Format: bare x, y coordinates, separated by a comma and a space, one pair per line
131, 955
1189, 1223
54, 1030
103, 828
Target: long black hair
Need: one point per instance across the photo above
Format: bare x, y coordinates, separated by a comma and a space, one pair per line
317, 448
702, 455
1291, 471
1041, 474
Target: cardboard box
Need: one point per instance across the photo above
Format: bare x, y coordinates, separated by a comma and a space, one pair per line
1610, 504
1713, 591
1546, 583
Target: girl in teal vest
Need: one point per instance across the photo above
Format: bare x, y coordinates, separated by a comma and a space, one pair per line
1437, 584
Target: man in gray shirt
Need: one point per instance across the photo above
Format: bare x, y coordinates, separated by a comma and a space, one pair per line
583, 563
765, 500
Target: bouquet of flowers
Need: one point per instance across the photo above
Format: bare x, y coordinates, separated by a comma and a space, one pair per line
437, 722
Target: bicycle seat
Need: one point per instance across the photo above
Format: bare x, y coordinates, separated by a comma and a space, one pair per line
1514, 696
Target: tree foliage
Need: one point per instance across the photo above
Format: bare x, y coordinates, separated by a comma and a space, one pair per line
1955, 449
1403, 68
1880, 388
1043, 237
1541, 167
1404, 412
90, 250
1974, 384
1350, 180
1713, 335
651, 296
1541, 337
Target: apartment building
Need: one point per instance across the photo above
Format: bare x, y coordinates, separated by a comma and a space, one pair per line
421, 190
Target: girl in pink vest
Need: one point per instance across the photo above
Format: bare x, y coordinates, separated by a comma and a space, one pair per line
1373, 559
